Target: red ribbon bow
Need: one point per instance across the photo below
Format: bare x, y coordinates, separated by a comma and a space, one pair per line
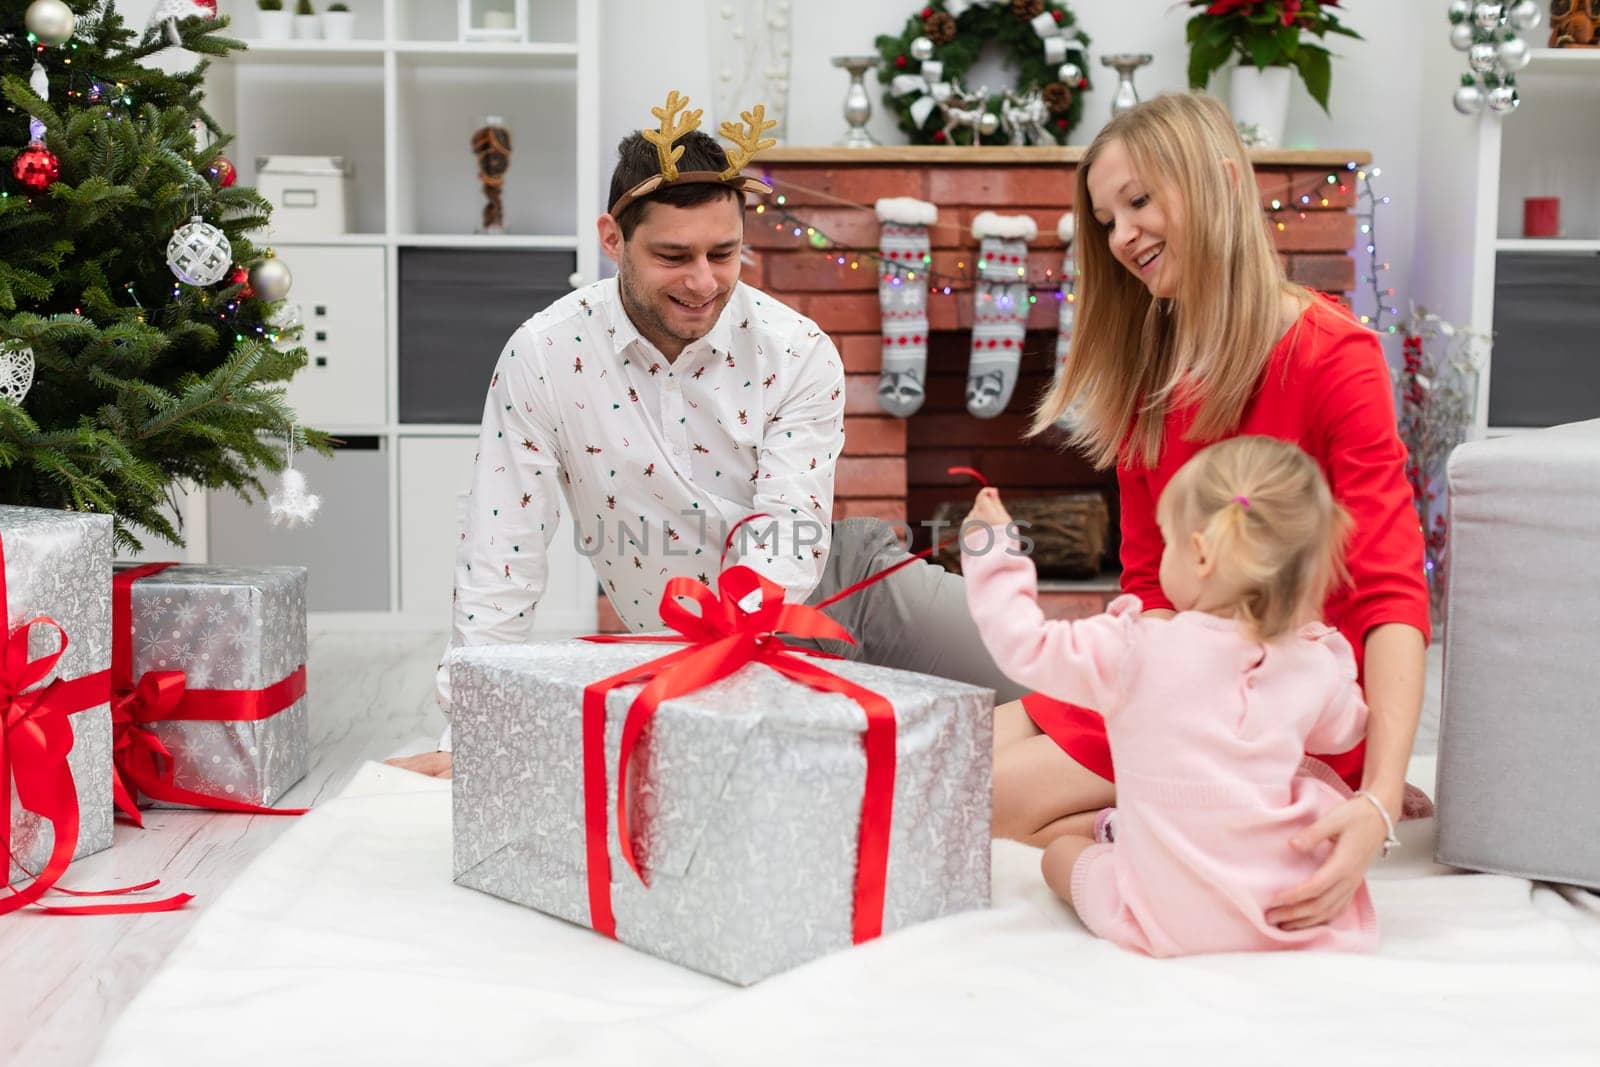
722, 638
142, 764
35, 738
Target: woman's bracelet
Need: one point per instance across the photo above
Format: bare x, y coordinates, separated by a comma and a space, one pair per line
1390, 841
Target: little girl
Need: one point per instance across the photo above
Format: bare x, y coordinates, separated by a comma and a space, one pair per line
1208, 713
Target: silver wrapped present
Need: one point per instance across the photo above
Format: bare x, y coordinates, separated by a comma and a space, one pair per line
747, 802
58, 565
238, 630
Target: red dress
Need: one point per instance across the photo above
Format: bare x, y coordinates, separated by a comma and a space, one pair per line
1326, 388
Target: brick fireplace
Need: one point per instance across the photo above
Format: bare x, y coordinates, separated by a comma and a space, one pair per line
895, 468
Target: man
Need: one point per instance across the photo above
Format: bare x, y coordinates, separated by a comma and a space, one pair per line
665, 405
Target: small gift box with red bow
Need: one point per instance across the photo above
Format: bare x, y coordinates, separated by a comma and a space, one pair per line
717, 798
209, 682
55, 727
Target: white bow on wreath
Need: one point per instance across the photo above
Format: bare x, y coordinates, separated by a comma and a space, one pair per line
933, 90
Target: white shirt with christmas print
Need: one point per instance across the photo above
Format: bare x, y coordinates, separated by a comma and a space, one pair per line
656, 460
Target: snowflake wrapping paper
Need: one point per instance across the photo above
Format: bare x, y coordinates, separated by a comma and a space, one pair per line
233, 628
58, 564
747, 802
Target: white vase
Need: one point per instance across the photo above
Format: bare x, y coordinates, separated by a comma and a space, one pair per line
274, 25
1259, 97
338, 25
308, 27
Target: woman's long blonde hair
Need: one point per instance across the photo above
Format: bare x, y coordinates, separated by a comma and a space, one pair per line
1133, 356
1263, 508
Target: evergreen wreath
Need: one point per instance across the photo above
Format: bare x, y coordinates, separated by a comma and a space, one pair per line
957, 41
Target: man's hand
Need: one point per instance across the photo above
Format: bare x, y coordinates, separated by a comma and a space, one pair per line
1357, 833
988, 510
433, 764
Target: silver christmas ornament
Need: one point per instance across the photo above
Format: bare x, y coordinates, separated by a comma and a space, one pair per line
1514, 54
50, 21
271, 279
1460, 10
16, 370
1461, 36
1468, 99
1487, 15
1503, 99
199, 253
988, 124
1481, 57
921, 49
1526, 15
1070, 73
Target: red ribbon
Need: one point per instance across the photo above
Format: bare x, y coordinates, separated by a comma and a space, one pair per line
34, 742
722, 638
142, 764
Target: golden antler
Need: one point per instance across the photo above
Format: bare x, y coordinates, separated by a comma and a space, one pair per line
671, 129
748, 138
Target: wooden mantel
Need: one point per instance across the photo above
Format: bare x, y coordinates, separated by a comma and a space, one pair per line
991, 155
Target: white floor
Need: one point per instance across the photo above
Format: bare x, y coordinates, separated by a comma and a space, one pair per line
65, 979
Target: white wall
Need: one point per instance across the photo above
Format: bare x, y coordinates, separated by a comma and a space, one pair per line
1377, 83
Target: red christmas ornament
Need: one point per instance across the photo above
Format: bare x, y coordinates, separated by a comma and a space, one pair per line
224, 172
36, 167
927, 11
938, 135
241, 276
900, 61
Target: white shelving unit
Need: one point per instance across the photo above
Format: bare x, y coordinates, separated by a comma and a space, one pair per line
1545, 148
399, 103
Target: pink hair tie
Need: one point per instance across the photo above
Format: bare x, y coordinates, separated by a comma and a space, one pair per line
1243, 501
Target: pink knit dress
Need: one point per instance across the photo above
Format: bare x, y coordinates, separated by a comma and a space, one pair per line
1208, 731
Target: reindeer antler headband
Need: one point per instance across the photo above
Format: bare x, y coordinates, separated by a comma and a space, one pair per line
746, 138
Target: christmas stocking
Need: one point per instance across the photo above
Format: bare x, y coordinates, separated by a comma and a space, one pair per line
1000, 310
903, 301
1066, 309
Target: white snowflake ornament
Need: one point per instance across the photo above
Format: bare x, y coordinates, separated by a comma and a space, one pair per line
170, 11
16, 371
292, 505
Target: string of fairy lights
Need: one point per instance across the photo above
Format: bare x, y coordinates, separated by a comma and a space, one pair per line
1306, 195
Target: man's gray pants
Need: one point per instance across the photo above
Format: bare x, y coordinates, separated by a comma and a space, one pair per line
914, 620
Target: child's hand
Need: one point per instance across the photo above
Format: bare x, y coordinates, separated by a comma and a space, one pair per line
988, 510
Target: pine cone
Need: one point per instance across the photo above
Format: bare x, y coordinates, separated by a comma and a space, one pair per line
1025, 10
939, 28
1057, 97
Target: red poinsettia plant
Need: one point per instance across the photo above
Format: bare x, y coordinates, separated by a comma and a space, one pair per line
1264, 33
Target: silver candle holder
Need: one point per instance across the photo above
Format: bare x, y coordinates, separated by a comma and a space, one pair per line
857, 104
1125, 63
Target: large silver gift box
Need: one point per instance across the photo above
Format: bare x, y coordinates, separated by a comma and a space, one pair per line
746, 803
231, 628
58, 564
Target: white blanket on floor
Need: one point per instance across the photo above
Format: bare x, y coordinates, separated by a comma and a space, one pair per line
346, 943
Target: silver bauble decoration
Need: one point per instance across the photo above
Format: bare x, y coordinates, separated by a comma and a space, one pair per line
1468, 99
16, 370
1487, 15
271, 279
1460, 10
1503, 99
1481, 57
199, 253
1071, 74
988, 124
1526, 15
1461, 36
921, 49
50, 21
1514, 54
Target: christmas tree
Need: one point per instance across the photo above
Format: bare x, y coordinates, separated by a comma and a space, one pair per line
154, 360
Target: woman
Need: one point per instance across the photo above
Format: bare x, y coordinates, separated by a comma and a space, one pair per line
1187, 332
